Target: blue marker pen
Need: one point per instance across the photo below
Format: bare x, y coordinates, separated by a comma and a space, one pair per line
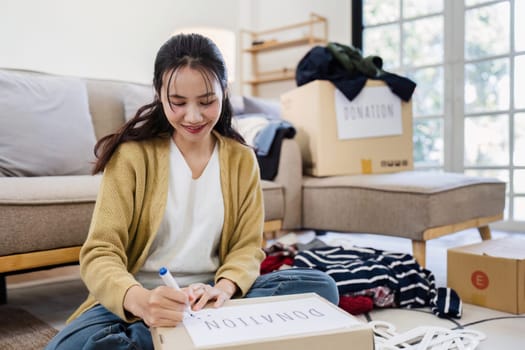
168, 279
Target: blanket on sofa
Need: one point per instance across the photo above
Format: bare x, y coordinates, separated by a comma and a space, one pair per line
265, 134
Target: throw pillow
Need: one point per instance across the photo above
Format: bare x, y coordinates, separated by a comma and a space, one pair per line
45, 125
237, 102
272, 108
136, 96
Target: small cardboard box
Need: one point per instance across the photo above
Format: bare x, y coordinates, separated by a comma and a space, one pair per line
370, 134
490, 274
357, 336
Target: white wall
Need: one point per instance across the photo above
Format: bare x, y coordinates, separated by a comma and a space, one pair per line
110, 39
118, 39
267, 14
260, 15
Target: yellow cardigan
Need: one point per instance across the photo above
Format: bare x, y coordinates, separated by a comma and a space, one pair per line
131, 203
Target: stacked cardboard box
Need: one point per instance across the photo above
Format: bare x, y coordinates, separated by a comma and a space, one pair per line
370, 134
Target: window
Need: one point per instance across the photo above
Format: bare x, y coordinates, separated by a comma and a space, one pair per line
468, 59
409, 36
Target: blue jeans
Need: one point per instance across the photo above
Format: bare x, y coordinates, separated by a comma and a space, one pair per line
98, 328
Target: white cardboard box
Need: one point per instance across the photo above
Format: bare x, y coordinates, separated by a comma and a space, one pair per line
347, 332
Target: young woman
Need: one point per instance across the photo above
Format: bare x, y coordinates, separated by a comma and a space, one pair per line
180, 190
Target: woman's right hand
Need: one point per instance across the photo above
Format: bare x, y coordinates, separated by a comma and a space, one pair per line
160, 307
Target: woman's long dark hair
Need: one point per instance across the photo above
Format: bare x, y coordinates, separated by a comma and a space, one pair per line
194, 51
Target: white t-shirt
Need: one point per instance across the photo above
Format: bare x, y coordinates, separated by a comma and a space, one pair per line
188, 237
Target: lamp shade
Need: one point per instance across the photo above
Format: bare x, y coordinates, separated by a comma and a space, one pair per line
225, 41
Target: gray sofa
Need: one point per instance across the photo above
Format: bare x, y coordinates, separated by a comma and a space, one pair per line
44, 219
45, 214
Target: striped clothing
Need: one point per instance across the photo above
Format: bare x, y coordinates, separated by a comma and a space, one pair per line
359, 269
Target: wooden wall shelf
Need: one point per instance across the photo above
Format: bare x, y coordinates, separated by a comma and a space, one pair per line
314, 32
277, 45
269, 77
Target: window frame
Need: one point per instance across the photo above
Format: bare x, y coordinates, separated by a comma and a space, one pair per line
454, 114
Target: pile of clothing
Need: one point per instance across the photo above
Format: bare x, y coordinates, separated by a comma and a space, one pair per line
265, 134
348, 70
368, 277
259, 122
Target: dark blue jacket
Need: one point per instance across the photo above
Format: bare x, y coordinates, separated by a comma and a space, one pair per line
326, 63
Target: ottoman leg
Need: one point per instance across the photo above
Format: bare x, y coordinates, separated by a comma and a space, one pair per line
484, 232
419, 251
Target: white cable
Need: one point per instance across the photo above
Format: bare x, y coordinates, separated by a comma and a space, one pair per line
424, 338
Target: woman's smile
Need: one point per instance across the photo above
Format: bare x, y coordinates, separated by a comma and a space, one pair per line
194, 129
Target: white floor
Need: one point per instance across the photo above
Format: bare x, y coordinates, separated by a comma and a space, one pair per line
54, 294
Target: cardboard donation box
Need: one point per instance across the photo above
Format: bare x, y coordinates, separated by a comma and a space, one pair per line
370, 134
292, 322
490, 274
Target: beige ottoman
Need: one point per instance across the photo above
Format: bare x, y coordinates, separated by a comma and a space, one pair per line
413, 204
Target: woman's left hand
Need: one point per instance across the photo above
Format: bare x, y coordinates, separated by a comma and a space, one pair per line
201, 294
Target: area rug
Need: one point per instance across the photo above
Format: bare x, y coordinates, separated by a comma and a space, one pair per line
21, 330
502, 330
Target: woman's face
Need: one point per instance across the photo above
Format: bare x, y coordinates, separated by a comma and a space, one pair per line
192, 104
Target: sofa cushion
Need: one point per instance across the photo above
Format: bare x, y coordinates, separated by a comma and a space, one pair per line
39, 213
273, 195
49, 190
136, 96
105, 105
45, 125
400, 204
237, 102
252, 105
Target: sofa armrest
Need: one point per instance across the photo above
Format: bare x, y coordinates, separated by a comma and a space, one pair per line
289, 175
